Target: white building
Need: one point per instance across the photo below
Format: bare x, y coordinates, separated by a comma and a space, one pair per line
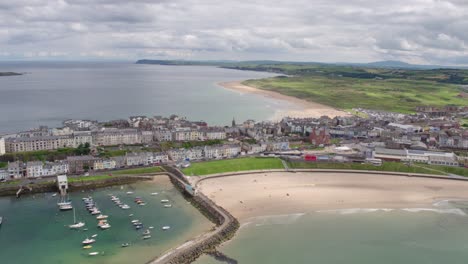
3, 175
2, 146
163, 135
34, 169
82, 137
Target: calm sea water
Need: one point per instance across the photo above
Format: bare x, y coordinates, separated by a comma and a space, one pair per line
34, 231
54, 91
352, 238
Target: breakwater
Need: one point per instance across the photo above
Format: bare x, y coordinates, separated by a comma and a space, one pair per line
225, 229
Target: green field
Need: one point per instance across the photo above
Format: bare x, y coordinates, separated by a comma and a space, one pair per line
396, 95
137, 171
232, 165
386, 166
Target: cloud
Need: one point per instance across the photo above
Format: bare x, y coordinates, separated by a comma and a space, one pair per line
421, 31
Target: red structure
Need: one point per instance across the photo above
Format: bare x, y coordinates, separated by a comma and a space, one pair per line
310, 157
319, 136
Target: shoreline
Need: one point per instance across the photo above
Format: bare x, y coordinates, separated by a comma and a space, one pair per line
301, 109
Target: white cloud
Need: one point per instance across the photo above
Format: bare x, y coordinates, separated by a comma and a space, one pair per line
425, 31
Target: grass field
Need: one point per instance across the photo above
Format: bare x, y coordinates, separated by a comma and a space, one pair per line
396, 95
386, 166
231, 165
137, 171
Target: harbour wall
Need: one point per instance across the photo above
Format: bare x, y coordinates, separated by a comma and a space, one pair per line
225, 229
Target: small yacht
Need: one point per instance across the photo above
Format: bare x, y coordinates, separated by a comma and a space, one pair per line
1, 220
135, 221
166, 227
125, 207
101, 216
55, 194
105, 226
87, 247
93, 236
95, 211
88, 241
125, 244
164, 201
168, 205
65, 206
93, 253
77, 225
147, 237
151, 227
155, 193
146, 232
129, 193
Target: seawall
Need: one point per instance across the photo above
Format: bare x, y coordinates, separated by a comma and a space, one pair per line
226, 226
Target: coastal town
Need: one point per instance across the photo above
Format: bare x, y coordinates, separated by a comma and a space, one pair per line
432, 136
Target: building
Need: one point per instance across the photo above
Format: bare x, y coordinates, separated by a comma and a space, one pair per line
113, 137
213, 133
104, 164
2, 146
3, 175
15, 170
80, 164
186, 154
319, 136
159, 157
81, 138
163, 135
55, 168
34, 169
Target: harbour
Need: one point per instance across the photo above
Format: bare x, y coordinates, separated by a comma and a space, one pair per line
34, 224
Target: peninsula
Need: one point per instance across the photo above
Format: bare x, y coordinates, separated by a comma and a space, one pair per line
9, 74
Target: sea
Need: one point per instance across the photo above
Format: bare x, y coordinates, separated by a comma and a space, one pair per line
353, 236
51, 92
35, 231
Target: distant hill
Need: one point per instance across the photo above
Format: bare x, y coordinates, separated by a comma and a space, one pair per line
9, 74
390, 64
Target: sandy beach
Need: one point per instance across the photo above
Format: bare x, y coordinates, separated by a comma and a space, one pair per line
302, 108
263, 194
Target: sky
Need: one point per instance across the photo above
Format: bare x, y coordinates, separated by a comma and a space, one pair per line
414, 31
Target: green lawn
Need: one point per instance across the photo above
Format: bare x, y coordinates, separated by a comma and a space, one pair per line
138, 171
448, 169
3, 164
397, 95
386, 166
231, 165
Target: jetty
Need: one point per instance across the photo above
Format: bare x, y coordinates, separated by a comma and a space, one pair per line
226, 224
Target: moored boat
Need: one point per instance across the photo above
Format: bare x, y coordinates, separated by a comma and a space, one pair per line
101, 216
93, 253
147, 237
166, 228
164, 201
88, 241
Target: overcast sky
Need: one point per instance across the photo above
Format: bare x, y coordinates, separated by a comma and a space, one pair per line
415, 31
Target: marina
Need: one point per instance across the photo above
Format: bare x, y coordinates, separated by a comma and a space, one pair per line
56, 242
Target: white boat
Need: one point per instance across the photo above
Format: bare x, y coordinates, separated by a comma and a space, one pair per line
125, 244
76, 225
147, 237
93, 253
105, 226
130, 215
142, 204
166, 227
129, 192
65, 206
95, 211
93, 236
88, 241
101, 216
155, 193
55, 194
151, 227
168, 205
164, 201
135, 221
125, 206
1, 220
146, 232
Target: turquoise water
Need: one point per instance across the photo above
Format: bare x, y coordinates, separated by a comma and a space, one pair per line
359, 237
34, 231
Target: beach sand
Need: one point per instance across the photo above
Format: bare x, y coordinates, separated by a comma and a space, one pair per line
303, 108
264, 194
